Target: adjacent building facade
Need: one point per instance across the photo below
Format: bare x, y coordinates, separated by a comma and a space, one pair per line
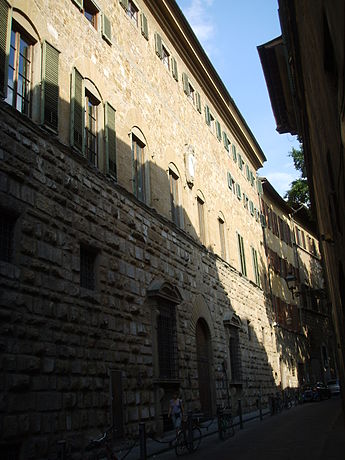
304, 70
133, 261
303, 328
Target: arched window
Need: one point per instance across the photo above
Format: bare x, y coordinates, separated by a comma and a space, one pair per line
88, 121
28, 71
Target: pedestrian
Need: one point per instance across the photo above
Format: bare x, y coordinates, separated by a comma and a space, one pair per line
176, 411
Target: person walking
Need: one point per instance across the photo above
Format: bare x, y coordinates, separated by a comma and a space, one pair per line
176, 411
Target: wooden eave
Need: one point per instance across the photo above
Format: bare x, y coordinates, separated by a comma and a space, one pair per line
274, 63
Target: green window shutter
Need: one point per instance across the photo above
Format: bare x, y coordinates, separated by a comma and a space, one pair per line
77, 111
124, 4
240, 161
252, 179
229, 181
174, 70
158, 45
5, 31
218, 130
256, 266
225, 141
110, 139
144, 26
207, 115
185, 83
106, 28
198, 101
247, 172
238, 191
259, 186
50, 86
79, 3
234, 153
251, 208
242, 255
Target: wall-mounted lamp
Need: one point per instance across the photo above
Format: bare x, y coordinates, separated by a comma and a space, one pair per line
291, 282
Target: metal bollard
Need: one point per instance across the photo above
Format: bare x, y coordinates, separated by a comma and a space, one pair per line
142, 438
240, 413
260, 410
190, 429
220, 415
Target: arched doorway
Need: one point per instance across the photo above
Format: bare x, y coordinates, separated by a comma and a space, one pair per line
203, 354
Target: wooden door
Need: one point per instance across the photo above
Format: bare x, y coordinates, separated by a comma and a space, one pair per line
203, 351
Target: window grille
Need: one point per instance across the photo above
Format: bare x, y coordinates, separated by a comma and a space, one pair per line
235, 355
87, 268
167, 341
6, 236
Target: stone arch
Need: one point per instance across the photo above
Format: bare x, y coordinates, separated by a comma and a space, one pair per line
201, 310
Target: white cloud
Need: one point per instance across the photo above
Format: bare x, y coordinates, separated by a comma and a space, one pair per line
199, 19
281, 181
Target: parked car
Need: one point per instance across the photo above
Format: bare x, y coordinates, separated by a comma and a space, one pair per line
307, 394
316, 392
321, 391
334, 387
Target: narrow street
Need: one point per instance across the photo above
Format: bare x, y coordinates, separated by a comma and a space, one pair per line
310, 431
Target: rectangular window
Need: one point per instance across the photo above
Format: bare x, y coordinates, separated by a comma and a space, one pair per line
298, 235
90, 12
238, 191
138, 154
235, 355
222, 238
174, 198
19, 70
91, 140
245, 201
191, 94
201, 217
242, 255
87, 267
165, 57
132, 12
7, 223
303, 240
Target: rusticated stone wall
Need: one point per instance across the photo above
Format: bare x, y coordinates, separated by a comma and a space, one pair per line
59, 340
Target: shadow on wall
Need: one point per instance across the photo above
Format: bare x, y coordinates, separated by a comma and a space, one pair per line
80, 340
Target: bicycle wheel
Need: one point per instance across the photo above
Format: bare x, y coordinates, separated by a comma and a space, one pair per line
196, 434
231, 428
181, 445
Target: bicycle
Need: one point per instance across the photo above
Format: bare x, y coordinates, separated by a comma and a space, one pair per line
104, 440
225, 424
188, 437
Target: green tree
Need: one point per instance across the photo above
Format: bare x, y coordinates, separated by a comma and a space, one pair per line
299, 190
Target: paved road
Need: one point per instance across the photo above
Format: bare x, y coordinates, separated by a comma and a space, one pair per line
313, 431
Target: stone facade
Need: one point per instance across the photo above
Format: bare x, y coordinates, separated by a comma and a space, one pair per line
120, 286
304, 330
306, 84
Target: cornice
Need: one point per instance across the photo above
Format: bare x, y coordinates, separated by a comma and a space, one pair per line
180, 34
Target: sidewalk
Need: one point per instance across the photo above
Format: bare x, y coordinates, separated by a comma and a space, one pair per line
209, 430
310, 431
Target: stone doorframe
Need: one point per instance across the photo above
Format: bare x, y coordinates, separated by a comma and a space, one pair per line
158, 291
201, 310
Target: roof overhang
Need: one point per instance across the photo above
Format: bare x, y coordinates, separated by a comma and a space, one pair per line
275, 66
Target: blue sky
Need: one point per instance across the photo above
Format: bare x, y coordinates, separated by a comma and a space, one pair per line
230, 31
